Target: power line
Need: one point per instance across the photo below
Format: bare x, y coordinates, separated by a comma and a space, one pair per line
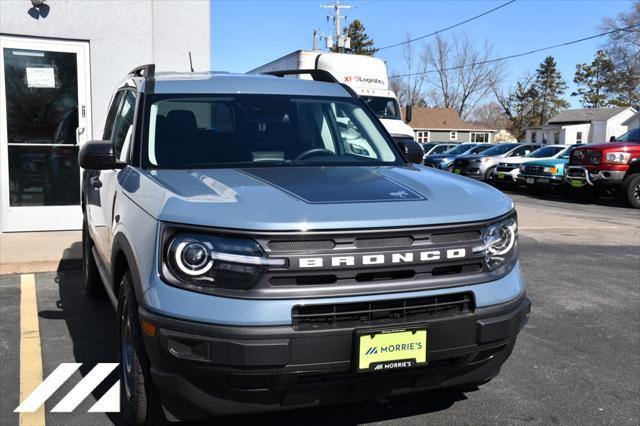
517, 55
448, 28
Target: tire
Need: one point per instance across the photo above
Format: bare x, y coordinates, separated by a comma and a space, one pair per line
488, 176
93, 285
631, 191
139, 401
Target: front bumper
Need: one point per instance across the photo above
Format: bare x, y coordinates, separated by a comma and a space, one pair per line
579, 176
506, 175
221, 369
472, 170
540, 180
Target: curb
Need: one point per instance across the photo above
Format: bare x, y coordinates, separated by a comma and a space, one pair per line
44, 266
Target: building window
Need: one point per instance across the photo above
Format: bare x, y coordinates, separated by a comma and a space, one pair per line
533, 136
453, 135
556, 137
422, 136
479, 137
545, 138
579, 137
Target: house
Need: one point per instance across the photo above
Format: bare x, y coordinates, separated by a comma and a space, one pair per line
60, 61
633, 122
585, 125
445, 125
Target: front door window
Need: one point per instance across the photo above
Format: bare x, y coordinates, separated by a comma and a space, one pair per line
42, 119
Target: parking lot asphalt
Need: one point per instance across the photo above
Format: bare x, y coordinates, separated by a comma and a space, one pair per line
577, 361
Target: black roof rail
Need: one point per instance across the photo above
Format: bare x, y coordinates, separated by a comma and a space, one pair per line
146, 71
316, 74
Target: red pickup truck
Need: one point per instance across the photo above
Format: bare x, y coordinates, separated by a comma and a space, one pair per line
608, 167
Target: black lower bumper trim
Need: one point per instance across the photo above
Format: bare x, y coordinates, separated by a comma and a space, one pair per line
225, 369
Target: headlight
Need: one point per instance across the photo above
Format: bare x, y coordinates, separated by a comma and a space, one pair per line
618, 157
481, 160
206, 260
553, 170
500, 242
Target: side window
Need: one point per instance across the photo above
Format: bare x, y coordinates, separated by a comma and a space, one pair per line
111, 116
523, 150
123, 129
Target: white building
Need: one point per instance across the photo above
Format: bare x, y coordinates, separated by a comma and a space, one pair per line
633, 122
587, 125
60, 62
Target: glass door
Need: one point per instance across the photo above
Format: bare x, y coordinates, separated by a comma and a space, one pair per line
46, 116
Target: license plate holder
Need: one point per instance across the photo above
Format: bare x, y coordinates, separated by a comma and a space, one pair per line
576, 183
530, 181
456, 171
500, 175
391, 349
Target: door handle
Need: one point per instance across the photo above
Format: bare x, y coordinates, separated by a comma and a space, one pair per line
79, 131
95, 182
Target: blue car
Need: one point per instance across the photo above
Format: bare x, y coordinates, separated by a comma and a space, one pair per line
444, 160
257, 261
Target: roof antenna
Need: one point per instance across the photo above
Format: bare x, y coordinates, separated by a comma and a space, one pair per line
190, 62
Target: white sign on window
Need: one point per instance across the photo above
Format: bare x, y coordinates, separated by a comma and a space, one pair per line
41, 78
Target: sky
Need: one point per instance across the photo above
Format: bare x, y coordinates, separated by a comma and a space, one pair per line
249, 33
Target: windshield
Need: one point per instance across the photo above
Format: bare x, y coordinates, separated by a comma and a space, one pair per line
383, 107
547, 151
630, 136
460, 149
257, 130
500, 149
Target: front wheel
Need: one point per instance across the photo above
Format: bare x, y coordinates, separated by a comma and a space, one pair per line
631, 190
139, 399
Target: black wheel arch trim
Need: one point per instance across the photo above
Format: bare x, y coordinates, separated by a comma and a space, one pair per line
122, 246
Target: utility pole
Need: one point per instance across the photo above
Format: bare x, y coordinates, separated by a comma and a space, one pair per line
336, 19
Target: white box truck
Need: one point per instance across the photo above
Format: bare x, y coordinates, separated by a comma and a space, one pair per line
366, 75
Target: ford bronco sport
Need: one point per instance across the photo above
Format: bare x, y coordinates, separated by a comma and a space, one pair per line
257, 261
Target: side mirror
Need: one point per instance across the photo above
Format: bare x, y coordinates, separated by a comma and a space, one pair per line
612, 139
412, 150
98, 155
408, 113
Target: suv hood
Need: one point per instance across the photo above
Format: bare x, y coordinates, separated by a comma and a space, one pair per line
312, 198
547, 162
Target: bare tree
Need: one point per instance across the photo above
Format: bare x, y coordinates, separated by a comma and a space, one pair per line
463, 76
409, 88
491, 115
623, 47
518, 104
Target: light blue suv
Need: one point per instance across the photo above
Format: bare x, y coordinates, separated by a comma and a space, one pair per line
258, 261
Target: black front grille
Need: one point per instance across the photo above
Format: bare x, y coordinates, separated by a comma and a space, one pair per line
461, 163
534, 170
306, 317
586, 156
301, 245
383, 242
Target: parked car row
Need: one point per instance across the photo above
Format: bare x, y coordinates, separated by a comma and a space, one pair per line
587, 171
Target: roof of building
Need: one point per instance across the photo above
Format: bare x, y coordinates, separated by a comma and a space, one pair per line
583, 115
216, 82
441, 119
